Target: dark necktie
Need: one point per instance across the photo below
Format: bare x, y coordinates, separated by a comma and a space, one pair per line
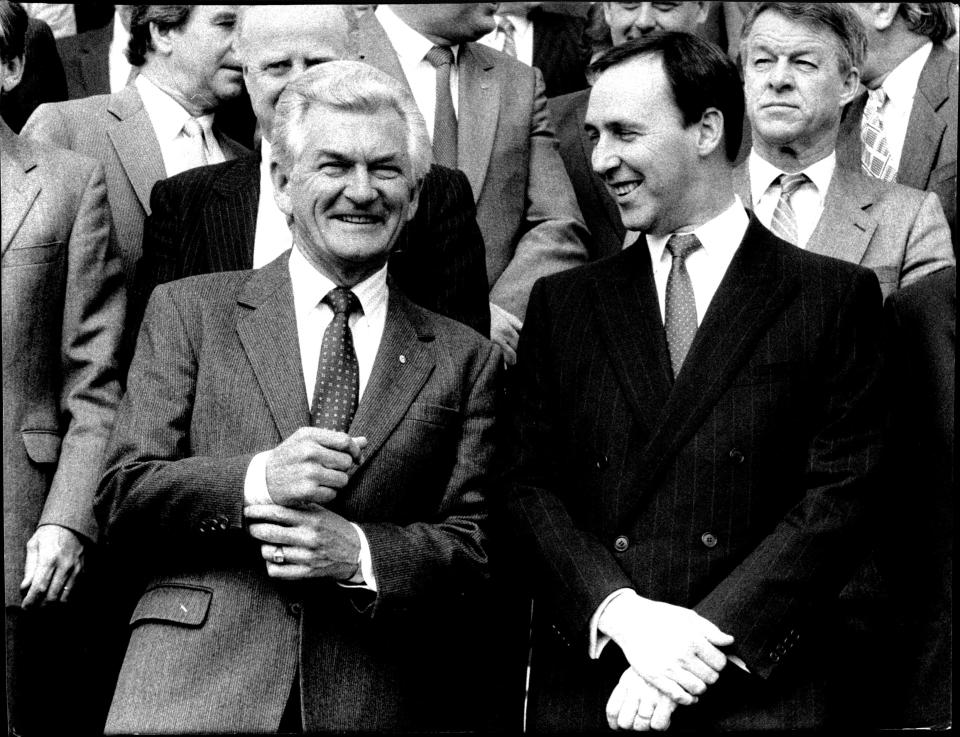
784, 221
445, 117
337, 390
681, 308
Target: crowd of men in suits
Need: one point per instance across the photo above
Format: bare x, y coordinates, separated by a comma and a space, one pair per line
479, 367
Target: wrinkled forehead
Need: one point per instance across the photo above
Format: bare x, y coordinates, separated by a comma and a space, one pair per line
271, 27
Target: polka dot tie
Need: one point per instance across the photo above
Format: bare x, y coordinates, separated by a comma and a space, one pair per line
681, 308
784, 221
338, 376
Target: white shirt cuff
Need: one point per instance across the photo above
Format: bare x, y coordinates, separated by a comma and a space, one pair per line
599, 640
255, 482
364, 577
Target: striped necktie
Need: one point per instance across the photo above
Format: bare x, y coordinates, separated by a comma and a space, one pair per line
506, 27
875, 153
784, 222
445, 117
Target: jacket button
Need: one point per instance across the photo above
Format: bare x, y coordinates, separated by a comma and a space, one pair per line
222, 522
602, 462
736, 456
709, 539
621, 544
295, 608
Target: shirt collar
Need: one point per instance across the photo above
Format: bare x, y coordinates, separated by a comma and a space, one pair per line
411, 46
265, 150
901, 84
310, 287
762, 174
716, 234
165, 113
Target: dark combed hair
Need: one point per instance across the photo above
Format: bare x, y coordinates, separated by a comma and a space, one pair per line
837, 18
700, 75
933, 20
13, 30
166, 17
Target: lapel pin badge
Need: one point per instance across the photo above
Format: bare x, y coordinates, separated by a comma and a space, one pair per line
403, 358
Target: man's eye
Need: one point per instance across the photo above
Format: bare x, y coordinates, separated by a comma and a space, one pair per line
805, 64
626, 135
386, 172
762, 61
333, 168
665, 7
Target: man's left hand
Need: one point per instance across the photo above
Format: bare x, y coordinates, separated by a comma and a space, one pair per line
304, 543
54, 560
635, 704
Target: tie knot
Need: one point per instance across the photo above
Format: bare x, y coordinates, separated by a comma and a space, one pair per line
505, 26
193, 128
790, 183
438, 56
682, 245
878, 97
343, 301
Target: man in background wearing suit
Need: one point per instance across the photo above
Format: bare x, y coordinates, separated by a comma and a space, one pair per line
225, 217
801, 67
911, 78
488, 116
42, 81
627, 21
303, 457
697, 422
63, 306
161, 123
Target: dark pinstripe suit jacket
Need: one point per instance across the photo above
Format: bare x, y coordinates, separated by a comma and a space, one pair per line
215, 644
205, 220
734, 491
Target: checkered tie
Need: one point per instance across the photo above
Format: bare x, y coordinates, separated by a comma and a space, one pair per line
875, 154
337, 389
681, 308
784, 222
445, 117
506, 27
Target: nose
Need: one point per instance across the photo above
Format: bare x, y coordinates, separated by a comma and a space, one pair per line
646, 21
359, 187
781, 75
604, 158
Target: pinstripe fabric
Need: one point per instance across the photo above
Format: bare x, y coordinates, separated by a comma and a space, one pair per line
214, 642
204, 220
737, 491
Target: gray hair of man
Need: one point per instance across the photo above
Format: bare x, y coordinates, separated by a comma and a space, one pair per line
351, 86
840, 21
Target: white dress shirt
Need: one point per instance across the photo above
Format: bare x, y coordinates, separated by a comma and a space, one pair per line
807, 201
522, 37
167, 117
720, 237
272, 236
901, 87
412, 48
313, 316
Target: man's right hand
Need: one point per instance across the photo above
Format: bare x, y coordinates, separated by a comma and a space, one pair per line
311, 466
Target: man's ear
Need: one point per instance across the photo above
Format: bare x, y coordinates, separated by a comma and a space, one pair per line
415, 190
709, 131
882, 15
281, 188
851, 86
12, 73
161, 40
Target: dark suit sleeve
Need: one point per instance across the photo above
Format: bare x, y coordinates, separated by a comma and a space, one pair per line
581, 570
797, 570
440, 261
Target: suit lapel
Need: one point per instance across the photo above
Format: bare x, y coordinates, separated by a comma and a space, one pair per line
751, 294
479, 109
401, 368
235, 200
628, 312
267, 327
136, 144
846, 225
20, 188
926, 128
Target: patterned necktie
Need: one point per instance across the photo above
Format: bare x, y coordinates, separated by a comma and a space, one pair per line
784, 222
681, 308
875, 154
337, 390
506, 27
445, 118
193, 129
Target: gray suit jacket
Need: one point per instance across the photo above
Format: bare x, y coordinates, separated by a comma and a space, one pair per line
63, 311
897, 231
215, 643
526, 206
116, 131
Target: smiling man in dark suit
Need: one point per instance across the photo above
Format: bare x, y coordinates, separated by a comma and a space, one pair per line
697, 424
312, 561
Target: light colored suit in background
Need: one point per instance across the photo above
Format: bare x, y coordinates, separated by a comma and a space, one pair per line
898, 232
116, 131
526, 207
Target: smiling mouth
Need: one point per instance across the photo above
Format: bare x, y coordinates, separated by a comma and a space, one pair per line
622, 189
359, 219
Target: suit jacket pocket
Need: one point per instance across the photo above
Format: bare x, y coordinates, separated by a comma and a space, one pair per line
432, 413
173, 604
38, 253
43, 446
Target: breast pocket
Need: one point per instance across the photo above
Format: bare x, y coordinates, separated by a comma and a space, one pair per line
34, 254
